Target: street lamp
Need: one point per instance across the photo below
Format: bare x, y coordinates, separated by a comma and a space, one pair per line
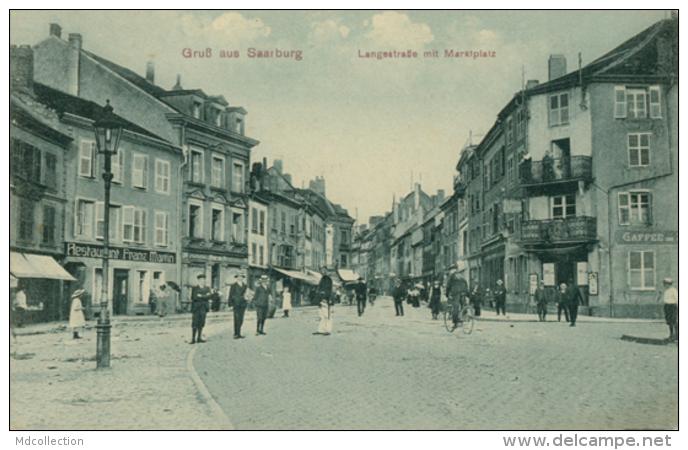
108, 130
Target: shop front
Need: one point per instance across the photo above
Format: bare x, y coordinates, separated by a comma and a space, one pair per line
218, 268
134, 274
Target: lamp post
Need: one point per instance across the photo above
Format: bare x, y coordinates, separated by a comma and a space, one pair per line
108, 130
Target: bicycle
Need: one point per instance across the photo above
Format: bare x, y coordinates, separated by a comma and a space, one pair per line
466, 318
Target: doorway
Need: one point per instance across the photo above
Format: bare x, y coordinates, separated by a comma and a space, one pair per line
120, 296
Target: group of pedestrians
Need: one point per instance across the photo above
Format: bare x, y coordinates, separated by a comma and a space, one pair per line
568, 298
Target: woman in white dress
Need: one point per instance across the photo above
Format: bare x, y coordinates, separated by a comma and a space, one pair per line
286, 301
76, 314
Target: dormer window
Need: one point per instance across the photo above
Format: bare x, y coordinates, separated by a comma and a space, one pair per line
240, 125
196, 110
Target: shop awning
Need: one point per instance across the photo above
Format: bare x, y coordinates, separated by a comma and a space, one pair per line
315, 277
24, 265
297, 275
348, 275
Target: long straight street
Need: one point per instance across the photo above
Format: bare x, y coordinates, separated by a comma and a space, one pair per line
379, 371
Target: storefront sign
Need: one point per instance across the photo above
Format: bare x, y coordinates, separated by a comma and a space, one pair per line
582, 279
592, 283
548, 274
645, 238
121, 253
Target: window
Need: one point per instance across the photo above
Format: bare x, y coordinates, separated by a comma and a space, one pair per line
161, 228
87, 155
140, 225
195, 220
25, 161
635, 208
639, 149
262, 223
559, 109
292, 224
238, 228
632, 102
143, 286
218, 174
564, 206
509, 130
196, 110
641, 274
254, 221
218, 223
162, 176
140, 172
260, 255
117, 166
84, 218
521, 124
254, 251
238, 178
510, 170
48, 225
50, 174
284, 222
197, 166
26, 219
114, 221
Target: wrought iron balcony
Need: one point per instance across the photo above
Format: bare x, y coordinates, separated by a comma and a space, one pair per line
553, 170
559, 231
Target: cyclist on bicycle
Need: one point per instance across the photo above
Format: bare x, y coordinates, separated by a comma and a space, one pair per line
457, 292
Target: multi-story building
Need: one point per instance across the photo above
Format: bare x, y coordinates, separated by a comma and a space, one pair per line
38, 148
579, 181
213, 204
258, 263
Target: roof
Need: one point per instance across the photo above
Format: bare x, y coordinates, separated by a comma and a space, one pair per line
129, 75
62, 102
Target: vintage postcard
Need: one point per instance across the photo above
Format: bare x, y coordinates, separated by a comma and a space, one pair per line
345, 220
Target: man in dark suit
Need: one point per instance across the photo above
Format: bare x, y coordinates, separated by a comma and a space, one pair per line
561, 303
238, 302
361, 296
541, 299
500, 297
200, 295
398, 294
572, 298
261, 301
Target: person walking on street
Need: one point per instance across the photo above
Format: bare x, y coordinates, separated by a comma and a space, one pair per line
162, 295
541, 301
572, 299
286, 301
325, 296
477, 299
457, 292
500, 297
76, 314
261, 301
670, 298
435, 299
238, 300
361, 296
200, 295
561, 304
398, 294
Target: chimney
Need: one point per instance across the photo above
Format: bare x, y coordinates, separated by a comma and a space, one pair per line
150, 72
21, 67
277, 164
56, 30
557, 66
75, 40
440, 196
531, 84
178, 86
287, 176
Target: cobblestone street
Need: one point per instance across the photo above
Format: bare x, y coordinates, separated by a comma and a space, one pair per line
379, 371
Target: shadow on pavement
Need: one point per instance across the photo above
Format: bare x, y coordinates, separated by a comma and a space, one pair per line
651, 341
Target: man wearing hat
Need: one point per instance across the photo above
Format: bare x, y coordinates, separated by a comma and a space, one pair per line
76, 314
670, 297
200, 295
541, 301
500, 297
572, 299
261, 301
435, 299
238, 301
398, 295
457, 291
361, 296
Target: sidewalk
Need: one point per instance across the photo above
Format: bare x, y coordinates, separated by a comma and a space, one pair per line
54, 384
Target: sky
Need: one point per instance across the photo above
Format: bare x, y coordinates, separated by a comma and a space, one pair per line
370, 126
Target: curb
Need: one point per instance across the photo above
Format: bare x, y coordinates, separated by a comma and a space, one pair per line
219, 415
